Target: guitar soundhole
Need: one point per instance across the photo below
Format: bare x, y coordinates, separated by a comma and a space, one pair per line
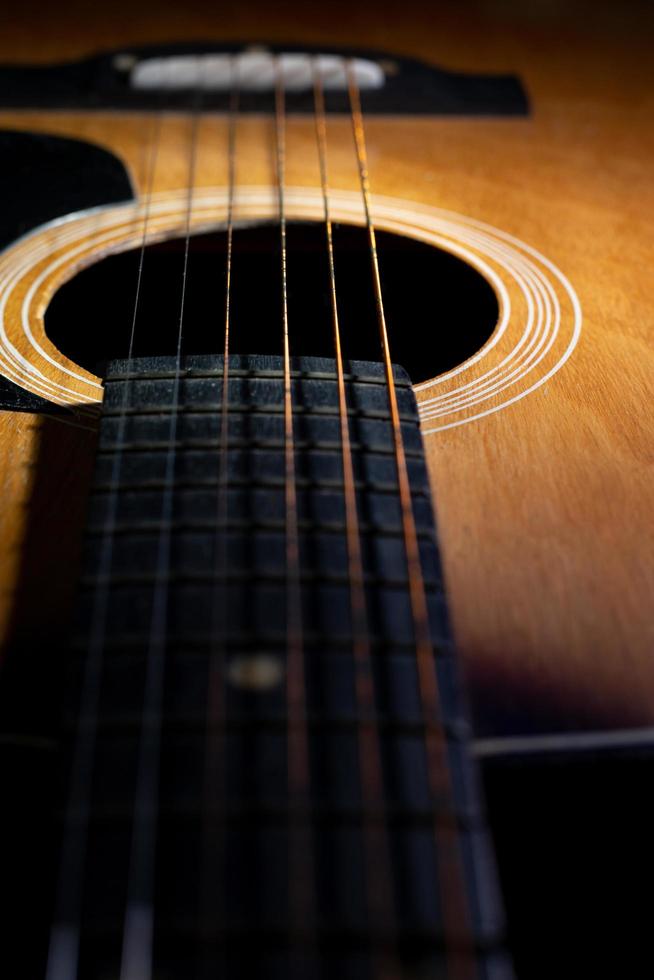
440, 311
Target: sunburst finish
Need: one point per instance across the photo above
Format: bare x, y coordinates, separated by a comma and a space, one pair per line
540, 447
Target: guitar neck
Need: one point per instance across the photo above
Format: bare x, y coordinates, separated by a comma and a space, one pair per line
195, 727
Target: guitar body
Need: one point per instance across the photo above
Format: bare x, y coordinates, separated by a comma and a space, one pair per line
539, 445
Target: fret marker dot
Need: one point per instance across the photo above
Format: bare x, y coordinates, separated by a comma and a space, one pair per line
258, 672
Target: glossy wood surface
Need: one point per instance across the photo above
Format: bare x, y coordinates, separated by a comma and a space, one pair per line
545, 508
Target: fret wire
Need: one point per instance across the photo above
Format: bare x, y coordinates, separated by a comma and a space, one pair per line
300, 856
379, 883
63, 952
212, 899
460, 963
138, 929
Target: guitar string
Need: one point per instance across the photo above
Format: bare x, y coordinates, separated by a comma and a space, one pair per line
138, 928
379, 879
212, 898
63, 953
460, 960
300, 844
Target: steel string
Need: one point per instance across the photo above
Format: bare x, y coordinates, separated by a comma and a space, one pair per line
301, 860
379, 880
63, 953
212, 901
138, 930
460, 959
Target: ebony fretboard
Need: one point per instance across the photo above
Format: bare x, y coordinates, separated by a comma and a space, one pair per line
221, 897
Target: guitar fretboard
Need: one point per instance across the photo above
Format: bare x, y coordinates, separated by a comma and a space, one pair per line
183, 605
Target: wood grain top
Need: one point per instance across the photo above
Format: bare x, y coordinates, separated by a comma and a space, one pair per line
544, 507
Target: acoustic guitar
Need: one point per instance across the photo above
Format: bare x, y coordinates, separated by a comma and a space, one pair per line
325, 343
